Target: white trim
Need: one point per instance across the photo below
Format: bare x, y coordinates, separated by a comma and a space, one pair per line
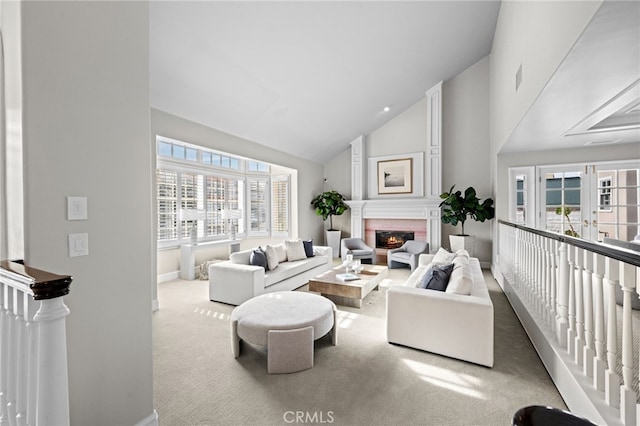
169, 276
434, 142
418, 175
155, 305
150, 420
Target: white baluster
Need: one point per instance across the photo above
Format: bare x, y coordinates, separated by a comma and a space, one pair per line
627, 395
579, 344
587, 287
599, 364
546, 269
22, 358
571, 333
553, 275
563, 296
612, 380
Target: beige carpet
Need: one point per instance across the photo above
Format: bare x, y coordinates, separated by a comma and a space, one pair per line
362, 381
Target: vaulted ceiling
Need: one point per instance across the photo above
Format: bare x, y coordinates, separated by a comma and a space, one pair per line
307, 78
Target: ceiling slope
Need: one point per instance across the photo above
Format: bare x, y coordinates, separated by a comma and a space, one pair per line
307, 78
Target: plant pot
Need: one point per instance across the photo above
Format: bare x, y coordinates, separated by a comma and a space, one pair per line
466, 242
333, 241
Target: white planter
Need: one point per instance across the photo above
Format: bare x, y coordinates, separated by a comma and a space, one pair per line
333, 241
467, 242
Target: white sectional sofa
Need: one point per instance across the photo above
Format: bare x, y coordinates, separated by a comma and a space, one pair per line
455, 325
235, 281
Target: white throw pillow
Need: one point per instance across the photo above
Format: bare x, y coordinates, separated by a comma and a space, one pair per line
295, 250
461, 281
281, 250
272, 257
442, 257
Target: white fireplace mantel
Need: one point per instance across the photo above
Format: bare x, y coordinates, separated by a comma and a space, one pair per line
427, 208
423, 209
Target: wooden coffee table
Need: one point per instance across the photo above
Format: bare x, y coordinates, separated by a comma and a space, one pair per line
348, 293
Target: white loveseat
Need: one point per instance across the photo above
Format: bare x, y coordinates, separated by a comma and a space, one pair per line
235, 281
455, 325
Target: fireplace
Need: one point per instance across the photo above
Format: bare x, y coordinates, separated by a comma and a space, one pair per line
392, 239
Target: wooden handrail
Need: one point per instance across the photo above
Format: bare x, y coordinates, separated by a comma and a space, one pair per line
617, 253
44, 285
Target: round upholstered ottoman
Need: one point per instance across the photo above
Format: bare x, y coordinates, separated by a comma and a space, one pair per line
287, 323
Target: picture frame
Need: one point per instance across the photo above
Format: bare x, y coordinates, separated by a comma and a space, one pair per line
395, 176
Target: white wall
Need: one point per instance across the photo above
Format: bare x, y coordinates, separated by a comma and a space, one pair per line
310, 176
466, 146
86, 133
337, 171
538, 35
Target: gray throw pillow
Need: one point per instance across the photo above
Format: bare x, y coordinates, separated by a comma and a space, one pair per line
437, 278
258, 258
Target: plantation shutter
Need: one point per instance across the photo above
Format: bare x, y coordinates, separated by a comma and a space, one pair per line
280, 206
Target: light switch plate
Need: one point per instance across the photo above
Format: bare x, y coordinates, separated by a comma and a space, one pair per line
77, 208
78, 245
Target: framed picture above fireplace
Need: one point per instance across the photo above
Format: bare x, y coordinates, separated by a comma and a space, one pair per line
396, 175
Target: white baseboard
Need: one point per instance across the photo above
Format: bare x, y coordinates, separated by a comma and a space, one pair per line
168, 276
150, 420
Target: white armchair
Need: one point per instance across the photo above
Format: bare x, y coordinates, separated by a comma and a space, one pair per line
408, 254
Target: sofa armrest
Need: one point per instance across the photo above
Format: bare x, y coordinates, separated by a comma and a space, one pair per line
425, 259
234, 283
449, 324
323, 251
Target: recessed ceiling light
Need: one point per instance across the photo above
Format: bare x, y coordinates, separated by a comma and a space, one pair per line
386, 109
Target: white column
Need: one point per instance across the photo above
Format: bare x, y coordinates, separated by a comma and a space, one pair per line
53, 394
358, 168
433, 164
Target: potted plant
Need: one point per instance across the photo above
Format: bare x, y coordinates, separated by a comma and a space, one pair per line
327, 205
457, 207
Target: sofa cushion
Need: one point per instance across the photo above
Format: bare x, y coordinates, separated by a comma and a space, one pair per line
258, 258
281, 249
308, 247
443, 257
416, 276
292, 268
461, 280
398, 255
295, 250
437, 277
272, 257
241, 257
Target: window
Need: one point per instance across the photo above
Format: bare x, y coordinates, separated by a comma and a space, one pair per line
604, 194
195, 185
280, 205
562, 202
167, 204
258, 210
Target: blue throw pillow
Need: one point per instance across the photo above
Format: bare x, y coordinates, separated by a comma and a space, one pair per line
308, 247
437, 278
258, 258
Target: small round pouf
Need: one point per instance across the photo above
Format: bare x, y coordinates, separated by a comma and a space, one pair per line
287, 323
